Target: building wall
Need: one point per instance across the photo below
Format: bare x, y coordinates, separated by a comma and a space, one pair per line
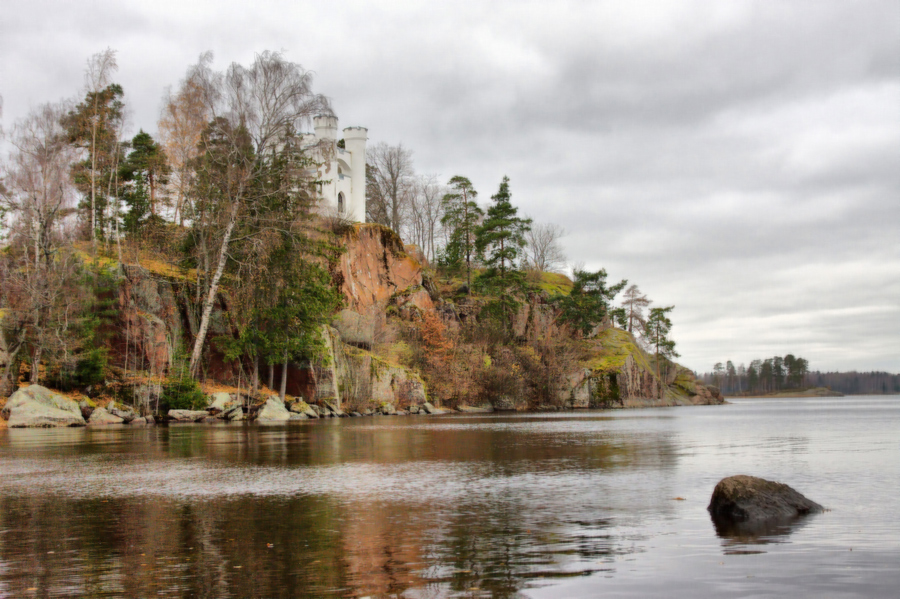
344, 169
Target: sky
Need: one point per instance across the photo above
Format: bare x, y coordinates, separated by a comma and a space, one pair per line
737, 160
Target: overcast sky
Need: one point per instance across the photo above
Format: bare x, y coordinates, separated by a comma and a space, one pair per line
738, 160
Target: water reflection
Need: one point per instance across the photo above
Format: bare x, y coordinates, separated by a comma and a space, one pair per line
748, 537
414, 507
343, 508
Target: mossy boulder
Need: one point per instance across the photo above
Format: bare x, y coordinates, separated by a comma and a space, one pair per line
37, 406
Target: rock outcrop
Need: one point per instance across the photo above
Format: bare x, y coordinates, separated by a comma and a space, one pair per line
377, 269
745, 498
150, 316
37, 406
620, 374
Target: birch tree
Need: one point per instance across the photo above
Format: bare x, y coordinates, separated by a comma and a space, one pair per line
390, 184
256, 113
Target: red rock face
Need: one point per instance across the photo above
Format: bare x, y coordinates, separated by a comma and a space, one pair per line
376, 268
151, 323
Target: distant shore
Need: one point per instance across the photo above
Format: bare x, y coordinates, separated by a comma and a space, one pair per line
814, 392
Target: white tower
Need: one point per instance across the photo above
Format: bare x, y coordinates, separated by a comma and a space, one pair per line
345, 170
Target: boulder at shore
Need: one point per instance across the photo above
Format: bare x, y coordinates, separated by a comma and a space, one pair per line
37, 406
273, 411
745, 498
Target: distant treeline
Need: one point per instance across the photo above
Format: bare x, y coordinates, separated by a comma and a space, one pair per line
762, 376
856, 383
792, 372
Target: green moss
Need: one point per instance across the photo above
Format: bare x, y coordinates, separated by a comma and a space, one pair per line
611, 349
555, 283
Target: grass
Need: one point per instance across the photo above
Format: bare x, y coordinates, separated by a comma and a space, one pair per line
554, 283
611, 349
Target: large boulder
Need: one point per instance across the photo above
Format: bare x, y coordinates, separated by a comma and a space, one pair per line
273, 411
102, 416
221, 401
37, 406
750, 499
126, 413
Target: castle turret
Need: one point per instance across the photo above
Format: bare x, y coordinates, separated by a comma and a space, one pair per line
355, 143
326, 126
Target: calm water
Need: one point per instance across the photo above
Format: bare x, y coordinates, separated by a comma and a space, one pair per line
570, 505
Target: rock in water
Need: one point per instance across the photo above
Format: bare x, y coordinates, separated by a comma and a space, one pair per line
745, 498
187, 415
37, 406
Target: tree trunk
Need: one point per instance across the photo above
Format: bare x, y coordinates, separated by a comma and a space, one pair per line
284, 369
255, 383
211, 294
36, 365
271, 376
7, 382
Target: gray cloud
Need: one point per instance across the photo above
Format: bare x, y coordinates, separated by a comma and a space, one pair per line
735, 159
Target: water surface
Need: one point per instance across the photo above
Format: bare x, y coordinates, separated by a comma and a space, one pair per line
576, 504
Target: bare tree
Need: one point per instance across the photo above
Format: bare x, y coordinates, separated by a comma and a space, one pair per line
634, 302
184, 116
256, 113
425, 212
544, 251
390, 184
37, 291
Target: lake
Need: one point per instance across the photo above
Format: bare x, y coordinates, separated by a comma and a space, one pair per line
569, 504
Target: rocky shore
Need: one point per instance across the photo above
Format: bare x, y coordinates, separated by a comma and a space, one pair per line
38, 407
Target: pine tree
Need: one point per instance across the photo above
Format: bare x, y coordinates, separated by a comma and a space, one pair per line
146, 162
500, 240
658, 327
94, 126
589, 300
461, 216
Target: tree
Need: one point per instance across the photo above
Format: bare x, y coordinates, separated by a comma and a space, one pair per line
184, 117
146, 162
718, 371
93, 125
543, 251
731, 373
390, 184
425, 212
461, 217
634, 303
500, 240
39, 295
658, 327
588, 303
257, 112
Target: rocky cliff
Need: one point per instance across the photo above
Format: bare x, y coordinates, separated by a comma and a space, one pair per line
386, 291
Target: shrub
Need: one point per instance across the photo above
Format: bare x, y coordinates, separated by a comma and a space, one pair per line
182, 394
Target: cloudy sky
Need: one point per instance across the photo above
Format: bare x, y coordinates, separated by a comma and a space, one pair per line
738, 160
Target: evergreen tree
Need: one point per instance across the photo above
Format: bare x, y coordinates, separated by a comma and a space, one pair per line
94, 125
146, 162
500, 241
461, 217
589, 301
658, 327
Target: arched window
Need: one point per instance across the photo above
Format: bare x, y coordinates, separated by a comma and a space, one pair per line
341, 202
